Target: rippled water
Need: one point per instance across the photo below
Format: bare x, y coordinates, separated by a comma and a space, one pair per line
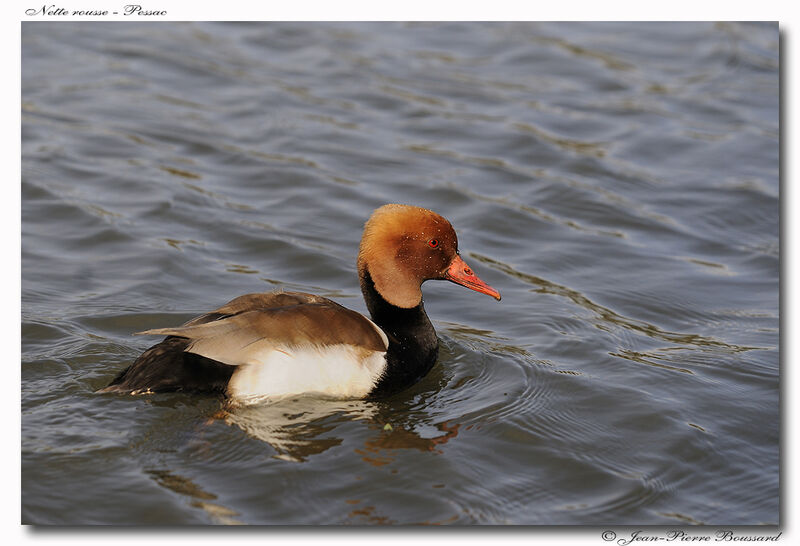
618, 183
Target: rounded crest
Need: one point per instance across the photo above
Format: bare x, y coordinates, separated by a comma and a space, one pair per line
402, 247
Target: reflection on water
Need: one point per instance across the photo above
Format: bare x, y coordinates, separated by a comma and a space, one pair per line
199, 498
377, 451
297, 428
294, 426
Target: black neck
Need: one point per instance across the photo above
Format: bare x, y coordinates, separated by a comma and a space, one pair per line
413, 345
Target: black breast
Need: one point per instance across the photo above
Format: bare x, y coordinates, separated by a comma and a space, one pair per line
413, 345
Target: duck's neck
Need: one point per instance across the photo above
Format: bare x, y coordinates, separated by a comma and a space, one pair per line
413, 345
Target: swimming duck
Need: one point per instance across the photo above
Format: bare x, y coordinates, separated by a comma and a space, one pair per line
270, 345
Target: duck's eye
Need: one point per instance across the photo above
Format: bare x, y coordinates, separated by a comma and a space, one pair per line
433, 243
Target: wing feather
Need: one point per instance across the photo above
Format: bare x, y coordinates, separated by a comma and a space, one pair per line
249, 326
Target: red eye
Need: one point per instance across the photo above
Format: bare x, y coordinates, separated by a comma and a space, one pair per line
433, 243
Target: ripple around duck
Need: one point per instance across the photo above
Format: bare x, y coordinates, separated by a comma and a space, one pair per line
616, 476
514, 391
541, 416
507, 390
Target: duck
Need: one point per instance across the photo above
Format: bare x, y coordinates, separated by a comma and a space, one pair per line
266, 346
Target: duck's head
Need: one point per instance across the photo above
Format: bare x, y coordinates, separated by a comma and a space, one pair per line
404, 246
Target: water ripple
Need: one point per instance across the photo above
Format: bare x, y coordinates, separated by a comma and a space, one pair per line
606, 316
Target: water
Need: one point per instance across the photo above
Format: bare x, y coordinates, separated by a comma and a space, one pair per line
618, 183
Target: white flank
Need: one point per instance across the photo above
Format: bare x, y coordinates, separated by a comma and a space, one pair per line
341, 371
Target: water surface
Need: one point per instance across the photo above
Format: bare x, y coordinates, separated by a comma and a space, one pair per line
618, 183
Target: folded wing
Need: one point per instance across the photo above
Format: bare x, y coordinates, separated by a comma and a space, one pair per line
249, 327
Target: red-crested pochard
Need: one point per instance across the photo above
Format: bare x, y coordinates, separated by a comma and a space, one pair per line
285, 343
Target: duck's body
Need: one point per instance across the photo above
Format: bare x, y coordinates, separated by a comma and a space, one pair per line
271, 345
